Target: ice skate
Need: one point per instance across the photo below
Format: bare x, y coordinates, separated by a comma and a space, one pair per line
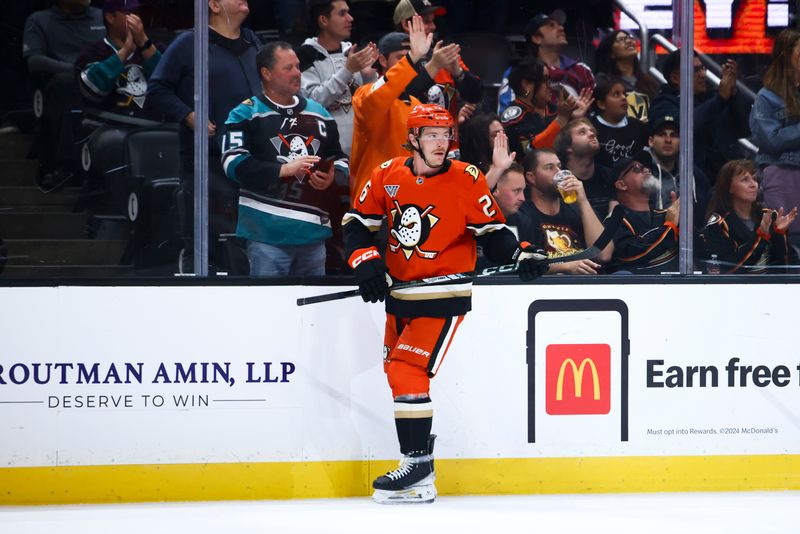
411, 483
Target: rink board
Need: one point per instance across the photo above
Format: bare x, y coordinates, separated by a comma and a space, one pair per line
195, 393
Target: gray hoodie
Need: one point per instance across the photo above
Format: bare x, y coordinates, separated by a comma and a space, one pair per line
326, 80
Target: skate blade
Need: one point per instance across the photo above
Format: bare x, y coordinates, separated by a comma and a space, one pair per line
424, 494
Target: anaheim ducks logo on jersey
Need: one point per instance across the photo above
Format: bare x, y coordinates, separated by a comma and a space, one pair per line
411, 226
473, 171
294, 146
511, 113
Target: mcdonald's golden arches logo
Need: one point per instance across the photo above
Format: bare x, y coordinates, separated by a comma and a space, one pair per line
578, 379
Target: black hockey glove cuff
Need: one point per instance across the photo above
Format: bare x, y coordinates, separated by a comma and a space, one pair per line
529, 261
370, 273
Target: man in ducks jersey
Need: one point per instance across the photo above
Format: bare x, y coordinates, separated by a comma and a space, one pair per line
436, 208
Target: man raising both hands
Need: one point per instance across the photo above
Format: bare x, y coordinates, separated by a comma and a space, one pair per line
382, 108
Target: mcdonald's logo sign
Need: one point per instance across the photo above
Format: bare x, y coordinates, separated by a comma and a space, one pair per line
578, 379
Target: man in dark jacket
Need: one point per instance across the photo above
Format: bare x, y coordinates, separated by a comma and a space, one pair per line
720, 117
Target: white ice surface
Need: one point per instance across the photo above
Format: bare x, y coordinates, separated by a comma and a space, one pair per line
684, 513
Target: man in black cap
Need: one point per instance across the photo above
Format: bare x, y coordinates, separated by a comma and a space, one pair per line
720, 117
647, 239
664, 148
546, 39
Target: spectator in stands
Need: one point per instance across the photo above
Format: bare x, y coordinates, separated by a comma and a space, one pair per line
647, 240
232, 78
52, 41
775, 121
617, 57
664, 146
547, 222
381, 108
545, 39
620, 135
477, 139
451, 82
577, 146
332, 67
720, 117
745, 236
532, 121
113, 73
509, 192
281, 149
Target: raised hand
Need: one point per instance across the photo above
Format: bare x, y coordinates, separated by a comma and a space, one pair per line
501, 159
358, 60
727, 84
136, 28
583, 104
673, 214
567, 104
418, 42
766, 222
782, 222
466, 111
442, 57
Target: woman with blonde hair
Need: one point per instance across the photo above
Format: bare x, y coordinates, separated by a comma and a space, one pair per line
775, 122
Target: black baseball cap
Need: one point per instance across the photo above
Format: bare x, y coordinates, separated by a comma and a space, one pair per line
660, 121
622, 166
393, 42
537, 21
111, 6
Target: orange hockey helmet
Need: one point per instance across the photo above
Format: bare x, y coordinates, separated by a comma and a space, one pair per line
429, 115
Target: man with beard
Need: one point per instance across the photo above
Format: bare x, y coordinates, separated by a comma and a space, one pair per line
647, 240
576, 146
549, 223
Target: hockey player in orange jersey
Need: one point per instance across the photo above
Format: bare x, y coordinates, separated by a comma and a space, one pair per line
437, 209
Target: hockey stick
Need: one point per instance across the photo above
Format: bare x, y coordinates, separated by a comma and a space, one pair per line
609, 229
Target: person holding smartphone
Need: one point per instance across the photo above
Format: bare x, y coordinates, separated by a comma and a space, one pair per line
280, 148
437, 209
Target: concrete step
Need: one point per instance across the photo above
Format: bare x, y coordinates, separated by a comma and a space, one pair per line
15, 146
64, 251
43, 225
32, 196
67, 271
19, 172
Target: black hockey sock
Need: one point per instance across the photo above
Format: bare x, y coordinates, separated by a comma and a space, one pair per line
413, 419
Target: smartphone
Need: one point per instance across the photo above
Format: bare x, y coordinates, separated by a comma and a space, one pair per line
577, 356
323, 165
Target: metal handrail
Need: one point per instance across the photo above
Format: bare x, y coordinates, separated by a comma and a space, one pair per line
644, 52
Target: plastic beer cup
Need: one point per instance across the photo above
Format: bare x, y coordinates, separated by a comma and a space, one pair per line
559, 179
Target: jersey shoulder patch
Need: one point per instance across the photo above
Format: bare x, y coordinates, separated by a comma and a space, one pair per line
248, 102
714, 219
473, 171
386, 163
511, 113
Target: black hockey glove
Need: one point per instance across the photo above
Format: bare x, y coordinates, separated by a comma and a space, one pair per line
529, 262
370, 273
